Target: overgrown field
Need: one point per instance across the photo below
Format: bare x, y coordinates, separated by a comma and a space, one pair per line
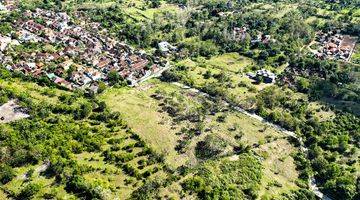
175, 122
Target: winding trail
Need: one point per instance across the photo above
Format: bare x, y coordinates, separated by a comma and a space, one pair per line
312, 183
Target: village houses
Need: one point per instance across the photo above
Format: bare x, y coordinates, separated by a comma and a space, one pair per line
92, 56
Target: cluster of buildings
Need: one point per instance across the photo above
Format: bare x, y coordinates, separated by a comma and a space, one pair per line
262, 75
82, 56
333, 45
7, 5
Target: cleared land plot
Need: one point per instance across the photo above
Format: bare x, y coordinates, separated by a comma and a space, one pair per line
11, 111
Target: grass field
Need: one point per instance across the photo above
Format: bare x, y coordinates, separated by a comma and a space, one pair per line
141, 112
239, 87
159, 130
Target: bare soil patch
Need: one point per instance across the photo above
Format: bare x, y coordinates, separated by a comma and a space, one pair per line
11, 111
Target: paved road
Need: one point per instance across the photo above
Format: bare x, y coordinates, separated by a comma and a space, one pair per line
157, 74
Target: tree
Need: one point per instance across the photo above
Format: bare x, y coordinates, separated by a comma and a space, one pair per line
6, 173
29, 191
303, 84
102, 87
114, 77
83, 111
211, 147
342, 187
155, 3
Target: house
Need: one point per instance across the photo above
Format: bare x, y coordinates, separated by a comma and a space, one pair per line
262, 75
42, 56
320, 55
33, 26
266, 39
62, 82
251, 75
182, 6
26, 36
38, 72
239, 33
166, 48
54, 56
66, 65
94, 74
94, 88
267, 76
50, 35
71, 51
102, 63
51, 76
4, 41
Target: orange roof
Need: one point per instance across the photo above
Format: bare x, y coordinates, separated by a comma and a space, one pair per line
332, 45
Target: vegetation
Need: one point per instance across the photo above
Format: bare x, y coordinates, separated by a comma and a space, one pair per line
196, 132
226, 179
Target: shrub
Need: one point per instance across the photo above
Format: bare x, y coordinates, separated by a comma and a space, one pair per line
211, 147
6, 174
29, 191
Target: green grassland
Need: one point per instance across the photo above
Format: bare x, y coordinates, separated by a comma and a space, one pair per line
159, 130
227, 72
143, 115
141, 112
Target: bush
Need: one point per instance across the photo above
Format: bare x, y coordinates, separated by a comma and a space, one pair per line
78, 186
29, 191
211, 147
6, 174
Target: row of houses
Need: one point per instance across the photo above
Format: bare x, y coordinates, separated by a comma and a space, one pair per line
90, 56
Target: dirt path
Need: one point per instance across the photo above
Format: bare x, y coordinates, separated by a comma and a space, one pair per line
37, 171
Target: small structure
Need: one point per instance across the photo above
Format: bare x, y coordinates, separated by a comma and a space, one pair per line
4, 41
262, 75
239, 34
166, 48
